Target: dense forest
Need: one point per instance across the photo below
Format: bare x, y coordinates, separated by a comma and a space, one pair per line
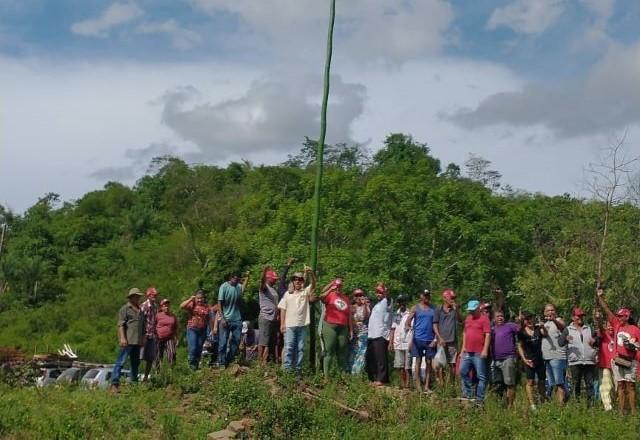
398, 215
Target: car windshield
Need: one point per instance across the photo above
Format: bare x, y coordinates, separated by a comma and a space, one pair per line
91, 374
69, 373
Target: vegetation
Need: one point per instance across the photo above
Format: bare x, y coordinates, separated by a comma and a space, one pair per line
190, 405
398, 216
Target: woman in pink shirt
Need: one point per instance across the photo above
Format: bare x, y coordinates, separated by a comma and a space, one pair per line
167, 330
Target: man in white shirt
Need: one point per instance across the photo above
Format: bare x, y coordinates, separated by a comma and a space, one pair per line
295, 317
378, 342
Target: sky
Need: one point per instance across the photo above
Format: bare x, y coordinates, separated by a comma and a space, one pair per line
91, 91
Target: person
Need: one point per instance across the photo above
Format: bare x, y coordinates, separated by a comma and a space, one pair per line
337, 326
199, 317
448, 317
268, 299
581, 346
623, 367
230, 325
211, 343
554, 352
295, 317
131, 330
360, 312
476, 338
167, 332
248, 346
378, 338
504, 354
606, 354
399, 341
149, 351
530, 350
426, 335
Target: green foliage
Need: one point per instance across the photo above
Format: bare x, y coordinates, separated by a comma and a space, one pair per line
396, 217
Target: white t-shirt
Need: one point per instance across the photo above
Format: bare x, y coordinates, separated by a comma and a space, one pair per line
401, 337
296, 307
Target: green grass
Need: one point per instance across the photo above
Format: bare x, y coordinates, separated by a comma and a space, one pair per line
184, 405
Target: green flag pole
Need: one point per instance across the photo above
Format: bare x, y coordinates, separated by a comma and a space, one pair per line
319, 164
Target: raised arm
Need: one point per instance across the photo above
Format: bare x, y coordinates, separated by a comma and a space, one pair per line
187, 302
245, 281
312, 282
604, 305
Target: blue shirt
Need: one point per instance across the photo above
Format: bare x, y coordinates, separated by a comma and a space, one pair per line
231, 296
423, 324
380, 320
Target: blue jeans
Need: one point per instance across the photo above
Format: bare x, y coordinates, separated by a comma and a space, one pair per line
469, 361
229, 341
133, 352
294, 347
556, 371
195, 340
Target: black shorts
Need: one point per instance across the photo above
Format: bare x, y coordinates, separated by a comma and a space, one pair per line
538, 369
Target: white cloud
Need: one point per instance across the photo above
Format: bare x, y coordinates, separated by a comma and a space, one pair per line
181, 38
606, 100
369, 30
595, 35
116, 14
527, 16
274, 115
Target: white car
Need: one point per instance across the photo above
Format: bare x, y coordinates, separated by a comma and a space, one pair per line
101, 377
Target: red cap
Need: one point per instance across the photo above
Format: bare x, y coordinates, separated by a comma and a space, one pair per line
624, 312
577, 311
164, 301
271, 275
448, 294
358, 292
151, 291
485, 306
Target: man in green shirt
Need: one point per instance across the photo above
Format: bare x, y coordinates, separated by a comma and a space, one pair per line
131, 329
230, 325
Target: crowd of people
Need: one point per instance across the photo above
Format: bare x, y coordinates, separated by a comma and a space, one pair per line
428, 345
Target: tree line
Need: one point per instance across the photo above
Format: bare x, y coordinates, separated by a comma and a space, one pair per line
397, 215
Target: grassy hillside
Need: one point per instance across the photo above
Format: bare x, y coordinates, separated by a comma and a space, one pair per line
190, 405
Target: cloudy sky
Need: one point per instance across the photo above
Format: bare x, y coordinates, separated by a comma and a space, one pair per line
90, 91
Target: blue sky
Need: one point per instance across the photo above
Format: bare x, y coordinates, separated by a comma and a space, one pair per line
91, 90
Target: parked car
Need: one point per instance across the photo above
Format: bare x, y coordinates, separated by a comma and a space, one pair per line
71, 375
101, 377
49, 376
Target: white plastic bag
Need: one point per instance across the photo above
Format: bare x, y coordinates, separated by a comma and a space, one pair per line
440, 359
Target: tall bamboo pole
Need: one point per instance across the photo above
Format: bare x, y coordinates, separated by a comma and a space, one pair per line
319, 164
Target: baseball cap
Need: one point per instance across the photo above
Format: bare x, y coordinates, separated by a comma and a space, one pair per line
473, 305
577, 311
623, 312
402, 299
164, 301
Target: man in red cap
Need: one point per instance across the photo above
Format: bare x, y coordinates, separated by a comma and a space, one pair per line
448, 317
623, 367
582, 349
150, 349
268, 298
